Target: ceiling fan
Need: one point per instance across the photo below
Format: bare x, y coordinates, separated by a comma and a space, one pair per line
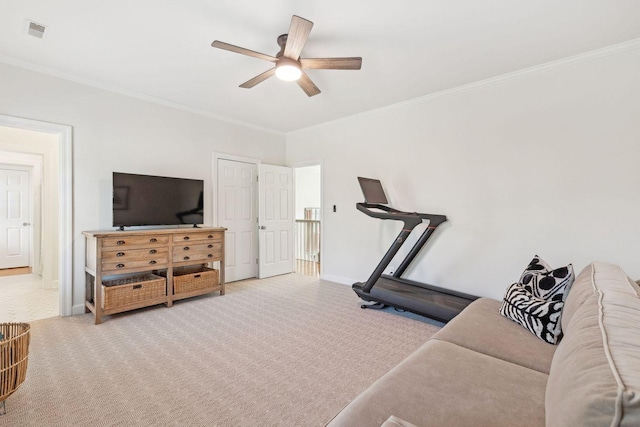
288, 64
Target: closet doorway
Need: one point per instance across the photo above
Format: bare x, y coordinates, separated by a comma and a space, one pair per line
254, 202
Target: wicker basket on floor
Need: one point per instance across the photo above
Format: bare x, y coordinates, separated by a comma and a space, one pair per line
14, 355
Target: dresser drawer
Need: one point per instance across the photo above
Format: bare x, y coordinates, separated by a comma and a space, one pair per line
203, 236
115, 266
125, 254
197, 256
189, 248
125, 241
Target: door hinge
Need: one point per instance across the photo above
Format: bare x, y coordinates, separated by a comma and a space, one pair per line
256, 260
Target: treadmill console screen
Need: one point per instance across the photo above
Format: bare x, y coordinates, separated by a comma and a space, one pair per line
372, 191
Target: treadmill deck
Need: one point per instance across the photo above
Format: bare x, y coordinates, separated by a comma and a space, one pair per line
425, 300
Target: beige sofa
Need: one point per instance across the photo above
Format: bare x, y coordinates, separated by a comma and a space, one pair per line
482, 369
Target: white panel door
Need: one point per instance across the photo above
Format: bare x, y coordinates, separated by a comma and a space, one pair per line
276, 220
237, 212
15, 236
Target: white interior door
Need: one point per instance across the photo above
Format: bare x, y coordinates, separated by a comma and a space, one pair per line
237, 212
276, 220
15, 216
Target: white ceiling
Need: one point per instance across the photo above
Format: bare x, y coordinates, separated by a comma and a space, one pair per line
410, 48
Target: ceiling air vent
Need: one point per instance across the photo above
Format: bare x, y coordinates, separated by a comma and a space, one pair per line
36, 30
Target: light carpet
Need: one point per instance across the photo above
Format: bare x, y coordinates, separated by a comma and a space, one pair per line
285, 351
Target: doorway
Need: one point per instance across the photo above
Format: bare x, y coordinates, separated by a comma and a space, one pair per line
21, 141
308, 196
30, 291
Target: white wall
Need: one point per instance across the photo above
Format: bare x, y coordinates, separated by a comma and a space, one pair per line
307, 189
544, 162
112, 132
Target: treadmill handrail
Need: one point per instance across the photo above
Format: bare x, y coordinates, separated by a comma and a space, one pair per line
411, 219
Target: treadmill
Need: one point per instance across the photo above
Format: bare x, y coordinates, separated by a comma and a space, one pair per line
393, 290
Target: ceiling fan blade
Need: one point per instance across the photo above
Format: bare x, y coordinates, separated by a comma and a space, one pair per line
243, 51
297, 37
258, 79
353, 63
307, 85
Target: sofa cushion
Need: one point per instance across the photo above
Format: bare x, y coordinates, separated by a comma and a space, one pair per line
538, 316
444, 384
595, 374
608, 276
480, 327
394, 421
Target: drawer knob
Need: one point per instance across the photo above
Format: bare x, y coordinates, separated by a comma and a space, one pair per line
120, 254
186, 248
210, 255
210, 236
120, 242
152, 251
210, 246
153, 240
120, 266
186, 258
185, 238
152, 262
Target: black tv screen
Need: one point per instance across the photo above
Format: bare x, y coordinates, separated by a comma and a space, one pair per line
156, 200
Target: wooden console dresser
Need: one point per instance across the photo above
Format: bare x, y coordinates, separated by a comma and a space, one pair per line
136, 263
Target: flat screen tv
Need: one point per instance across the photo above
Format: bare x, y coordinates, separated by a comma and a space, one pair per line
156, 200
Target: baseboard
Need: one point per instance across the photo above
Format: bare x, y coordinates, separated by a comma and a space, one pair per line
338, 279
77, 309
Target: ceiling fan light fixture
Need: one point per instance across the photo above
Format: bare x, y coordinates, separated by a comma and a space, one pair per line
288, 64
288, 70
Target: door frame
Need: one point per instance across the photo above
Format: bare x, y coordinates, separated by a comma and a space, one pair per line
65, 203
305, 164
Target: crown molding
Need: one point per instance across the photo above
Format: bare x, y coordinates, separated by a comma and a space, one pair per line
132, 94
560, 63
564, 62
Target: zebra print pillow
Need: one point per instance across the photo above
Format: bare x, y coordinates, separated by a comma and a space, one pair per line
542, 282
536, 266
540, 317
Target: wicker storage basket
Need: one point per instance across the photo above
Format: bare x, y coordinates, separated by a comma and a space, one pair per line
192, 278
131, 290
14, 355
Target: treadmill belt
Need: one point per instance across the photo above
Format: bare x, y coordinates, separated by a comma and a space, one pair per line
418, 299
